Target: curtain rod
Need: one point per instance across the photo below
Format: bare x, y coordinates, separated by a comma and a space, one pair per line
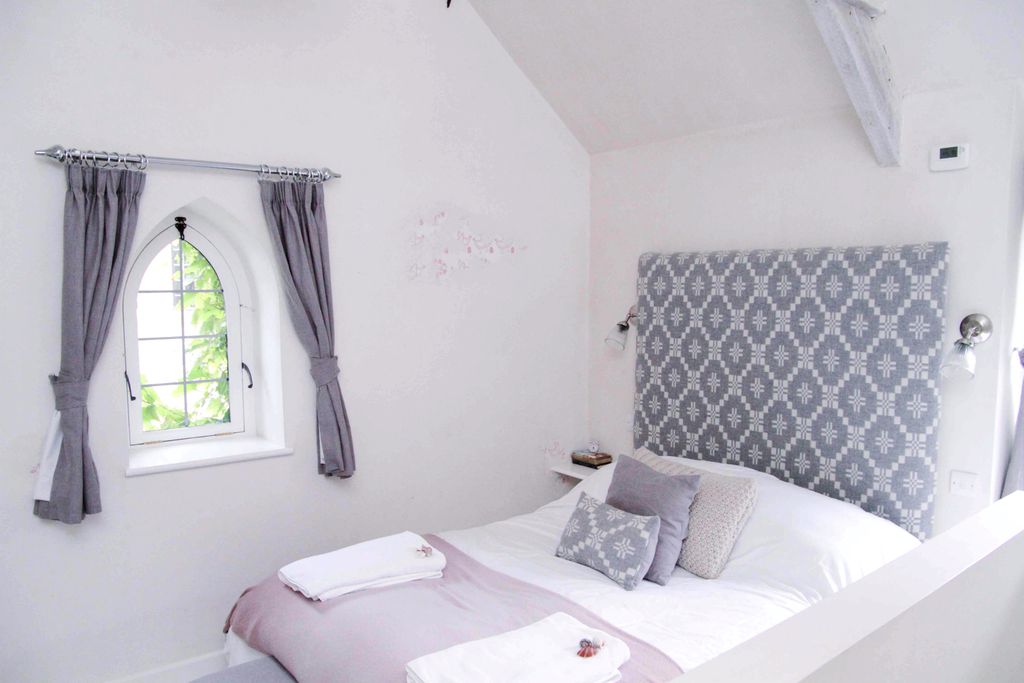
141, 161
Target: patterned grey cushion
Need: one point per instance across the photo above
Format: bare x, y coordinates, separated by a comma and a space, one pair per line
719, 512
818, 366
642, 490
616, 543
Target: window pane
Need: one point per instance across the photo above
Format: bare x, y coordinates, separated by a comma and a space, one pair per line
162, 272
206, 358
208, 403
204, 313
199, 274
163, 407
159, 315
160, 361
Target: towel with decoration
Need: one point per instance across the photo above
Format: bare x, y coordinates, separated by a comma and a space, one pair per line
556, 649
385, 561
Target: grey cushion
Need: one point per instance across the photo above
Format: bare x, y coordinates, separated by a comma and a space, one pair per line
718, 515
616, 543
642, 490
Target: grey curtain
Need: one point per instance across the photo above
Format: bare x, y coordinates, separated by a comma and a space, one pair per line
1014, 480
298, 231
100, 214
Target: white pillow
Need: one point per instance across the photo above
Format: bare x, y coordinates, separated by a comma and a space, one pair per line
719, 511
804, 540
795, 538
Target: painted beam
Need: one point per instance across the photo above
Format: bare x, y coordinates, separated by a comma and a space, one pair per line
872, 7
848, 30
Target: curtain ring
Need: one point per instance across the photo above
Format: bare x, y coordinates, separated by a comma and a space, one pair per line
264, 172
143, 162
106, 159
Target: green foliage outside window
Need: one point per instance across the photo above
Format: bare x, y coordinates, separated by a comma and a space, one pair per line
198, 301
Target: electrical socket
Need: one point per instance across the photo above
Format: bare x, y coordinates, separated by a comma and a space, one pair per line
963, 483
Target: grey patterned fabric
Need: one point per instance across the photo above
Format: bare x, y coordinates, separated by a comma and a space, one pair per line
616, 543
641, 490
298, 231
100, 214
818, 366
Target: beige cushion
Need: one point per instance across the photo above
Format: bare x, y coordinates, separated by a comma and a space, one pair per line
719, 511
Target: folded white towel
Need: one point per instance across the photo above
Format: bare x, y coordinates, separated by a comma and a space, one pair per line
543, 652
380, 562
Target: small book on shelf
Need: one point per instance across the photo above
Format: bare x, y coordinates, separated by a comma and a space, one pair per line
588, 459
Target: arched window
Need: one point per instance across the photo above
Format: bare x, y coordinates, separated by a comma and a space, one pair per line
182, 341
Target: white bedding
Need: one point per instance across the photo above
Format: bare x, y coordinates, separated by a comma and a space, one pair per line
797, 547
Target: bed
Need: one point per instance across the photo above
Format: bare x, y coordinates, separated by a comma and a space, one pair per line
797, 547
811, 372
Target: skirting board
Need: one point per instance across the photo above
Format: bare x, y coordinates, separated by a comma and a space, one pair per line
182, 671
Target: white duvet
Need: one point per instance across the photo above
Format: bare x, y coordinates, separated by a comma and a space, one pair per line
797, 547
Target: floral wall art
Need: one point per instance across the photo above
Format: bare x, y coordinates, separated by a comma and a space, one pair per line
447, 242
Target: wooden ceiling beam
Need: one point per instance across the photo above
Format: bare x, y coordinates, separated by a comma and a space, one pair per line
848, 29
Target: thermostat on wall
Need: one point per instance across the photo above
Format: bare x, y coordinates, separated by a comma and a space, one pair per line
950, 157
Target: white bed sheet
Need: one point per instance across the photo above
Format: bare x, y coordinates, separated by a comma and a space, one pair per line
237, 651
797, 548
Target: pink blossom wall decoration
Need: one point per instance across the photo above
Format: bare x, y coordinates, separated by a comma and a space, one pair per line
555, 454
445, 244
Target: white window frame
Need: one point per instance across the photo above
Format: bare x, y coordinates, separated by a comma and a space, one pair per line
233, 320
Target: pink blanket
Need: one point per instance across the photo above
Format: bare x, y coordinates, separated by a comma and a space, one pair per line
369, 636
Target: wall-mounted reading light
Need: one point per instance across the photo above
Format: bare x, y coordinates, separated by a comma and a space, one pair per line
960, 362
617, 337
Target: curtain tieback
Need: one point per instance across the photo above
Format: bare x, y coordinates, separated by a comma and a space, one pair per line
69, 393
323, 370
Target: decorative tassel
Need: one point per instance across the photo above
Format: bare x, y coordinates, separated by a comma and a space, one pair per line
589, 648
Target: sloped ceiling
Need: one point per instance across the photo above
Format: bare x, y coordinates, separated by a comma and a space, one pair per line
624, 73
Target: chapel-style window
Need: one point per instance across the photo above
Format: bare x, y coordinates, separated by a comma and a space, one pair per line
182, 343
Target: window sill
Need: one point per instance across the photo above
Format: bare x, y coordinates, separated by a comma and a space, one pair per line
190, 454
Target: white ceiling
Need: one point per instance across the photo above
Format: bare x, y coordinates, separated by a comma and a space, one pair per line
935, 44
623, 73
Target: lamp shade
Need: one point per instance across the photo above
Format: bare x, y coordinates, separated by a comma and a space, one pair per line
960, 361
616, 339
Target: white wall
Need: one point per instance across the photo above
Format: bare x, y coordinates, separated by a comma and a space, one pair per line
454, 387
814, 182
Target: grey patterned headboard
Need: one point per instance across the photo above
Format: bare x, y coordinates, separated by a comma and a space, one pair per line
819, 366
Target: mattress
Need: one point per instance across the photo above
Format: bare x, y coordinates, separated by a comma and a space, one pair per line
797, 548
